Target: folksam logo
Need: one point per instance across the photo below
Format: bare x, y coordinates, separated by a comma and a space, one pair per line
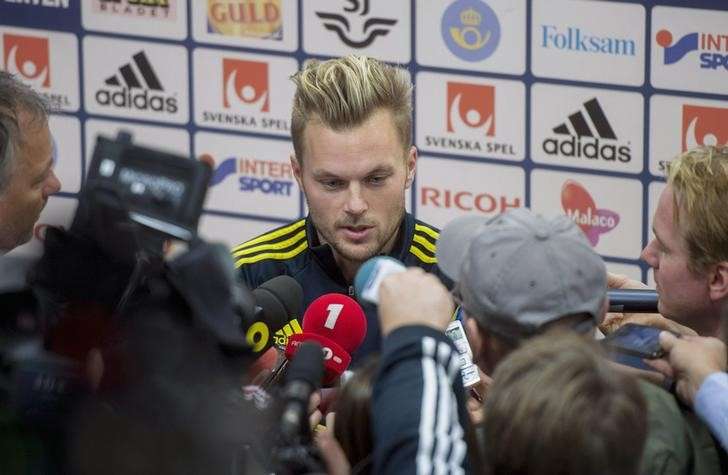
471, 30
579, 205
713, 48
702, 126
266, 176
576, 39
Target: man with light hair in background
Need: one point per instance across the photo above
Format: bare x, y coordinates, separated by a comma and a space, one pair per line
354, 160
26, 162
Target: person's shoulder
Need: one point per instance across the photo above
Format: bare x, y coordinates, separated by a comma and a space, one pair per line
424, 243
280, 244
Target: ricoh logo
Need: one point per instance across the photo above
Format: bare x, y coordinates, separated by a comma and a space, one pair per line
356, 27
702, 125
264, 176
164, 9
470, 120
587, 134
578, 40
481, 202
246, 18
28, 57
579, 205
713, 48
136, 86
470, 30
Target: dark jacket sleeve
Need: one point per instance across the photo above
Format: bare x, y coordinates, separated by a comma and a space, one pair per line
418, 409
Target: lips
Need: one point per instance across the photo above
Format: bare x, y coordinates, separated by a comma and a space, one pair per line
356, 233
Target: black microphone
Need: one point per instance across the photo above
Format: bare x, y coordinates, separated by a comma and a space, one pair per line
278, 301
302, 379
632, 300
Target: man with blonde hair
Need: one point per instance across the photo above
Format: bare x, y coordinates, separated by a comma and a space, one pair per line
353, 158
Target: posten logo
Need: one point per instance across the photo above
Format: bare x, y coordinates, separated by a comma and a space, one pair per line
29, 57
245, 83
356, 27
254, 175
713, 48
471, 105
246, 18
471, 30
579, 205
702, 125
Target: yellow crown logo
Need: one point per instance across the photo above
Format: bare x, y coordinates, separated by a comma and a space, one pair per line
470, 17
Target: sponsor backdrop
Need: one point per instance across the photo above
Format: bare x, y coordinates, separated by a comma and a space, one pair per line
566, 106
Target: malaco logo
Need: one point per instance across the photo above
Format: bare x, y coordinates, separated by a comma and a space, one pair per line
161, 9
29, 57
246, 18
703, 125
472, 105
136, 86
356, 28
579, 205
470, 29
264, 176
587, 134
713, 48
245, 83
576, 39
482, 202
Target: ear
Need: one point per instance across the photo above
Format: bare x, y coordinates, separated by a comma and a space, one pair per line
296, 169
411, 166
718, 284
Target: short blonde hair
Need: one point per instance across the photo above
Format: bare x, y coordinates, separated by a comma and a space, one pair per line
699, 179
344, 92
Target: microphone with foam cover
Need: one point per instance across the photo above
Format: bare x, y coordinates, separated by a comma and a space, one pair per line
370, 275
277, 301
633, 300
338, 323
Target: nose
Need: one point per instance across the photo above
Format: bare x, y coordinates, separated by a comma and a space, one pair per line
53, 185
355, 202
650, 255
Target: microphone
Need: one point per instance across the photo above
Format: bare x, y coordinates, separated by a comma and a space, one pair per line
338, 323
370, 275
302, 379
278, 303
633, 300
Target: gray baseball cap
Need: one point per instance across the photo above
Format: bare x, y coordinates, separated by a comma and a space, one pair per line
519, 271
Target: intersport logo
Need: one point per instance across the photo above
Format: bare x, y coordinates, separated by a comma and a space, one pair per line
356, 27
579, 205
713, 48
588, 134
264, 176
245, 84
28, 57
703, 125
136, 86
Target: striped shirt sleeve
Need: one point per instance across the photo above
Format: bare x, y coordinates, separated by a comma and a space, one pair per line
418, 410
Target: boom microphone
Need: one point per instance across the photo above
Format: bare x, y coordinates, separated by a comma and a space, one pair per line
337, 322
632, 300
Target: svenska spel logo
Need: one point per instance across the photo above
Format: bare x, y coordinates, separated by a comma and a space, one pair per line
703, 125
579, 205
713, 48
470, 29
267, 177
471, 106
29, 57
245, 83
261, 19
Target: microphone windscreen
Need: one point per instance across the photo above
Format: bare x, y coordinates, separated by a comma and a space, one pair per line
307, 365
338, 318
281, 300
370, 275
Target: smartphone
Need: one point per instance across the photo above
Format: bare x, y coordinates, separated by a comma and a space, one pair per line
635, 340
